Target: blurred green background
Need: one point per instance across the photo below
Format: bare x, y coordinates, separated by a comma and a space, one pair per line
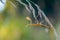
13, 23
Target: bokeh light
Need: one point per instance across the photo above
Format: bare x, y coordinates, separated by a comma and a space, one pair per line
2, 5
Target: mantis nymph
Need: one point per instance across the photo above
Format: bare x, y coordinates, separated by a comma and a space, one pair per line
40, 25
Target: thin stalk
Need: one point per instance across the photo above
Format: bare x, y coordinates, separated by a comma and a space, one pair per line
52, 29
